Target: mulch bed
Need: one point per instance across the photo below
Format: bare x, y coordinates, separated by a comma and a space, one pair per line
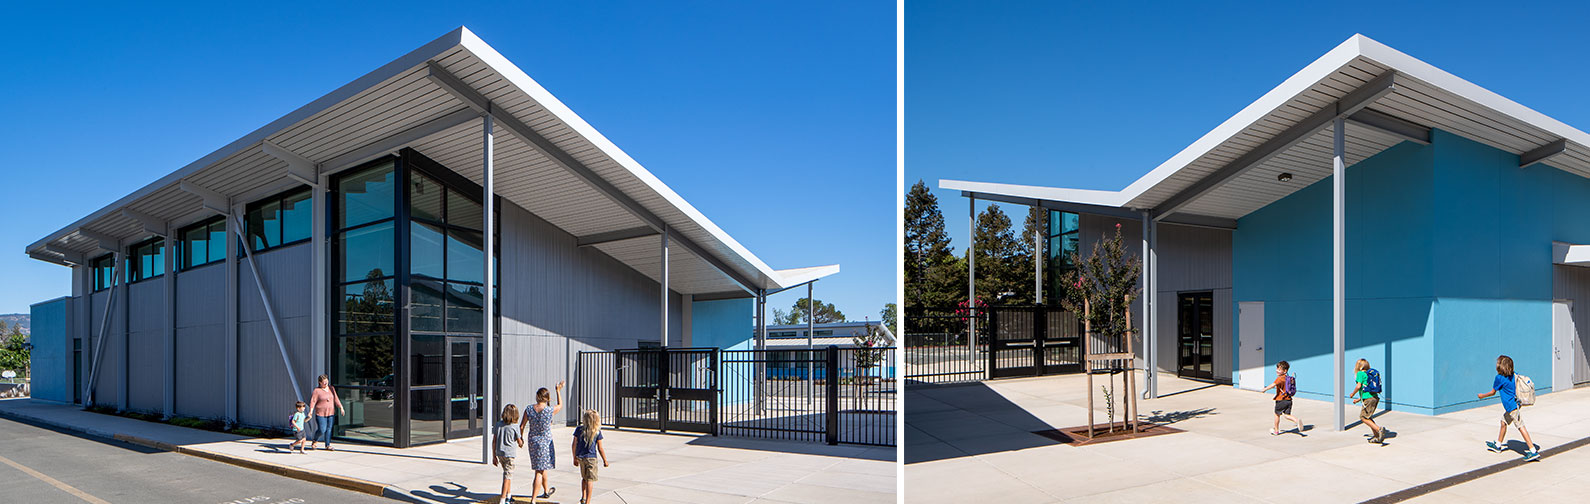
1078, 436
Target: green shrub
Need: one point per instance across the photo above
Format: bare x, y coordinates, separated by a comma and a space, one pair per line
252, 432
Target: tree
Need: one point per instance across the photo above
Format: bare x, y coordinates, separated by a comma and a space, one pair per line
15, 352
826, 312
1022, 267
997, 253
1107, 280
890, 314
927, 252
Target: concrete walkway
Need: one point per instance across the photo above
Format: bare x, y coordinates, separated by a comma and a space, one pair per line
646, 467
974, 441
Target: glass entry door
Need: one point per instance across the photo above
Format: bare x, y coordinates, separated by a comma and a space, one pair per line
463, 388
1195, 342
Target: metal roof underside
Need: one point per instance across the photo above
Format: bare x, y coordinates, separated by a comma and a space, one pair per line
398, 105
1422, 95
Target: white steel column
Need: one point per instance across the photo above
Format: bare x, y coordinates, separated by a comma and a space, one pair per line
761, 344
1037, 265
811, 392
663, 282
1150, 318
488, 304
971, 281
126, 334
230, 343
1338, 252
168, 341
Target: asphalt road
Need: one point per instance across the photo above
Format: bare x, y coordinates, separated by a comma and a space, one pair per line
63, 467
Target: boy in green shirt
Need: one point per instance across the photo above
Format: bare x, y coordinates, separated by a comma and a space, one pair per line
1370, 400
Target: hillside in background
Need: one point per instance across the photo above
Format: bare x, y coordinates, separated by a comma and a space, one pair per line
12, 319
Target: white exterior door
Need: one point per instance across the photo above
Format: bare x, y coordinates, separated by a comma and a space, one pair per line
1563, 335
1250, 345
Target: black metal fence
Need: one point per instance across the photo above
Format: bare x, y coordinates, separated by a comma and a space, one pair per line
938, 348
833, 395
1009, 341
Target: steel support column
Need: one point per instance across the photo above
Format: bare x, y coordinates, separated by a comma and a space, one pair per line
1338, 259
319, 276
168, 342
230, 343
1150, 318
489, 304
811, 393
761, 344
971, 280
663, 298
1037, 264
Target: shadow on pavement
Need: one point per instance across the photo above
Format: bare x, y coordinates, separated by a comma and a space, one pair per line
454, 493
965, 431
1170, 417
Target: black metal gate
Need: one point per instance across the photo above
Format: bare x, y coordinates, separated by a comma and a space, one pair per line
1032, 341
666, 389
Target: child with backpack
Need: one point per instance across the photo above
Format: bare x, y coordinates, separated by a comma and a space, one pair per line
508, 445
1285, 387
1368, 392
1516, 390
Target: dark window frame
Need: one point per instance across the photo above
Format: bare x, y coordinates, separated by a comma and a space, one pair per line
94, 267
135, 272
280, 199
182, 260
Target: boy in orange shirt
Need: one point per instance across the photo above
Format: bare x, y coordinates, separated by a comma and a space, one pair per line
1283, 399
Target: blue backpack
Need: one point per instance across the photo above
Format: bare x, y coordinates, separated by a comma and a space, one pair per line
1372, 383
1291, 386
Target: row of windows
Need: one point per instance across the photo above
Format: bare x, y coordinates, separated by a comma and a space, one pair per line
280, 220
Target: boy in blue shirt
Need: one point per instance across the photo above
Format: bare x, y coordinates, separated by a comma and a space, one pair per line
1504, 384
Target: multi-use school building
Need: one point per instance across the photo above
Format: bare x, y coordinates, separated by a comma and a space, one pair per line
1371, 206
351, 237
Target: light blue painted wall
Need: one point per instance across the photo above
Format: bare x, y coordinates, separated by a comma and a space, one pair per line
1496, 223
1281, 255
51, 372
723, 324
1448, 266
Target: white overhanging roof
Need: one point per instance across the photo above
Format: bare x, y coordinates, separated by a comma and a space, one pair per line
1385, 96
548, 160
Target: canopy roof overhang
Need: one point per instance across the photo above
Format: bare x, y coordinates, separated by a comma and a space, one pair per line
547, 160
1386, 98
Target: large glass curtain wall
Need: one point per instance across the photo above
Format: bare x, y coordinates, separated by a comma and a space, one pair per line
407, 350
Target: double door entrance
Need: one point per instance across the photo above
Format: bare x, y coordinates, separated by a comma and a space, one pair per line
667, 389
1195, 335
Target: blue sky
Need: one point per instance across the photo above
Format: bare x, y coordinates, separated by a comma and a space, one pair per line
776, 120
1094, 96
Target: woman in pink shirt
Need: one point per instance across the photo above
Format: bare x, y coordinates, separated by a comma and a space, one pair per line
325, 403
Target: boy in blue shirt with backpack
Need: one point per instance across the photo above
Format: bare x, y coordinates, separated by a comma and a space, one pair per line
1285, 387
1506, 383
1368, 392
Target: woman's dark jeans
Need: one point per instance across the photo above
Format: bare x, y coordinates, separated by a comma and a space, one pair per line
323, 429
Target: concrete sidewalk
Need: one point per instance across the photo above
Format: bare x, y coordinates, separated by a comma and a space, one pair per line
974, 441
646, 467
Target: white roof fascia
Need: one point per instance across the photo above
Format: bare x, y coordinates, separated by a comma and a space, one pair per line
1082, 196
514, 75
416, 57
1354, 47
797, 276
1417, 69
1290, 88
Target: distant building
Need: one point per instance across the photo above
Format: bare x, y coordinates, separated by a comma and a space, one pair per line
789, 341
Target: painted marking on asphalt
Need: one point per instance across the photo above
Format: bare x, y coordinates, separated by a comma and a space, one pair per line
54, 482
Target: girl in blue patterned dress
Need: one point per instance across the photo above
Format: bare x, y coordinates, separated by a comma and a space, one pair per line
538, 436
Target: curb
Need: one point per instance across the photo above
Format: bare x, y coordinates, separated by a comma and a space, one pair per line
320, 478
